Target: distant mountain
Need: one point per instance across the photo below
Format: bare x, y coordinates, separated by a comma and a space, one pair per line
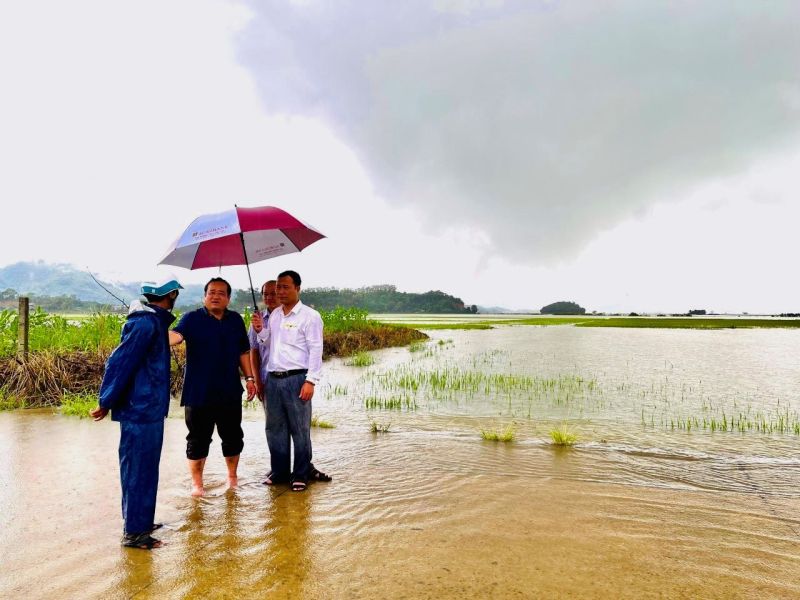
499, 310
46, 279
63, 287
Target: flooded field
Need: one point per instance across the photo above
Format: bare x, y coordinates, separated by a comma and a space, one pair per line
683, 480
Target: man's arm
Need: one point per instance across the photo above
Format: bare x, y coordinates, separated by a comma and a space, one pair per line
175, 338
244, 364
255, 360
314, 344
261, 327
122, 365
255, 365
244, 359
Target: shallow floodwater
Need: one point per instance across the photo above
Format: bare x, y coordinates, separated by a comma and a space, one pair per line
642, 506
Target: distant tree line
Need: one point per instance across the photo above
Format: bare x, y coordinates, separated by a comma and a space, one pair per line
58, 304
375, 299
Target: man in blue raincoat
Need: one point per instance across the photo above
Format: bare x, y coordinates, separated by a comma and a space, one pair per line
135, 389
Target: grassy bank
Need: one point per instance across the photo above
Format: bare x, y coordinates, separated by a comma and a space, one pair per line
67, 358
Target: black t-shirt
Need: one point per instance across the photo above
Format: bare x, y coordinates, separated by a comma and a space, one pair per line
213, 349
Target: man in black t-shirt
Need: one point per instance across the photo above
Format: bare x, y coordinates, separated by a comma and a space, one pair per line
216, 348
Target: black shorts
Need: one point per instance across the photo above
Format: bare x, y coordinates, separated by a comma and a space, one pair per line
201, 420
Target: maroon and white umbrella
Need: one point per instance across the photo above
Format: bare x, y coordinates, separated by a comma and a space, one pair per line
239, 236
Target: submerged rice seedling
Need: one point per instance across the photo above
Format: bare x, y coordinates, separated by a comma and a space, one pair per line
317, 422
417, 346
563, 436
390, 403
77, 405
376, 427
508, 434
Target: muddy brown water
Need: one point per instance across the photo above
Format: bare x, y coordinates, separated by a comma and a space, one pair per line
636, 509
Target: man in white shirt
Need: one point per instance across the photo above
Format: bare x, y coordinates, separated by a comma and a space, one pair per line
293, 334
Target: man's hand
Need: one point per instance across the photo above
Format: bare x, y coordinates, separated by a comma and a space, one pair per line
257, 322
259, 389
307, 391
251, 390
98, 413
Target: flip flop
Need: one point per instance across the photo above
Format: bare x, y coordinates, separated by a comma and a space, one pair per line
317, 475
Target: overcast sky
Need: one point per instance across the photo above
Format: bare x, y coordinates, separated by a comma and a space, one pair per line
625, 155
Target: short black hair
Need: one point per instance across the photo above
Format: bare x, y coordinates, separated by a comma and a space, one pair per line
266, 283
293, 274
154, 298
217, 280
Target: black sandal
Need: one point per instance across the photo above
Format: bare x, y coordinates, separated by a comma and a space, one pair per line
317, 475
142, 541
298, 485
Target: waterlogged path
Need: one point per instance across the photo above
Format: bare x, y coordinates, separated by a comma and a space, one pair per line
643, 506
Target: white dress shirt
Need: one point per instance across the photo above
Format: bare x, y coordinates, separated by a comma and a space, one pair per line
295, 340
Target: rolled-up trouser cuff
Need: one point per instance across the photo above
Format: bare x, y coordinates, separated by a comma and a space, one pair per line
201, 420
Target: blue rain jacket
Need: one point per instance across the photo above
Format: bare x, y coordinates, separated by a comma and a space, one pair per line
136, 381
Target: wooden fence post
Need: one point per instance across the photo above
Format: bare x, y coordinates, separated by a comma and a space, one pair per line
22, 336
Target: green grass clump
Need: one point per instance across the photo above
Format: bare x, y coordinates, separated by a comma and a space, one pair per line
346, 319
9, 401
499, 435
376, 427
418, 346
317, 422
563, 436
361, 359
77, 405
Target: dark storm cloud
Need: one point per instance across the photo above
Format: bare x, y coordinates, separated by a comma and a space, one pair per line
541, 124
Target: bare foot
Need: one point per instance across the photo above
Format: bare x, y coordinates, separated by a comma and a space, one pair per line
233, 483
198, 491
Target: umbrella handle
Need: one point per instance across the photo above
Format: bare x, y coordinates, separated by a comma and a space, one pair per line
249, 277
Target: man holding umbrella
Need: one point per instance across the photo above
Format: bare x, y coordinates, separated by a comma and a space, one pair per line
135, 389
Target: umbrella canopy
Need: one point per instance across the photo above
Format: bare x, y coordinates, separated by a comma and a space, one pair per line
239, 236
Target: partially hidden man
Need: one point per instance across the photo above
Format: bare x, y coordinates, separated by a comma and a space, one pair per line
135, 389
216, 349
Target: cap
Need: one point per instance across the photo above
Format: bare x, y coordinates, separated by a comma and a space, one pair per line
160, 288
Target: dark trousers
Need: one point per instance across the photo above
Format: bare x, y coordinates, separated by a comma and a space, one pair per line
288, 422
139, 456
201, 420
